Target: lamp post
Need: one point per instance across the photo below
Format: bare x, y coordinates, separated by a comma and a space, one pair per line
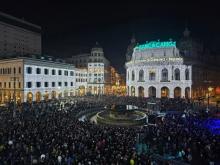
14, 94
209, 92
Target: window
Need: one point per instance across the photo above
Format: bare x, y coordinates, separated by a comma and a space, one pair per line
152, 76
28, 70
45, 84
46, 71
141, 75
19, 70
14, 70
71, 73
66, 84
9, 85
4, 84
66, 73
29, 84
60, 72
38, 71
132, 76
164, 75
53, 84
38, 84
0, 84
59, 84
53, 72
71, 84
19, 85
187, 74
177, 74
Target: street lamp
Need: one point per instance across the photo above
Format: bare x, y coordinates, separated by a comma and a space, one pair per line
209, 92
59, 92
14, 79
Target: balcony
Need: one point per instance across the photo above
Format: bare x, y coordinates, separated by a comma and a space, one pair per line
164, 80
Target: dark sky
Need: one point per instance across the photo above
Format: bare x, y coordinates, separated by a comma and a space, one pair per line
69, 28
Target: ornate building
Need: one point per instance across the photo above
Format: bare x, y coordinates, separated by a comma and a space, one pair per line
164, 69
98, 67
156, 69
30, 79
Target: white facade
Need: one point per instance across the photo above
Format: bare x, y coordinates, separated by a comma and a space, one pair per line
18, 37
48, 81
37, 79
96, 79
81, 82
157, 70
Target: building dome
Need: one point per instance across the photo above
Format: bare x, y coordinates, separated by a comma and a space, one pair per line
97, 48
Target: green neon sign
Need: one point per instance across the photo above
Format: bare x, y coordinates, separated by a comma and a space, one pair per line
156, 44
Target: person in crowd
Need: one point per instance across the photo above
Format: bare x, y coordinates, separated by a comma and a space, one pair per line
48, 133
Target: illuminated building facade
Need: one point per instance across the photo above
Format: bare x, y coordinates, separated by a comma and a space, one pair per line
38, 79
18, 37
81, 82
156, 69
96, 78
162, 69
118, 85
98, 67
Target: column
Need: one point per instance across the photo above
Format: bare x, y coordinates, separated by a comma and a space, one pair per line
183, 92
136, 91
169, 73
158, 92
146, 91
190, 96
171, 92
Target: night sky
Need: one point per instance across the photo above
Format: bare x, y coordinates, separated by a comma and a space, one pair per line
71, 28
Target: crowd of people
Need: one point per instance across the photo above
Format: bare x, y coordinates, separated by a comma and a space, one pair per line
50, 133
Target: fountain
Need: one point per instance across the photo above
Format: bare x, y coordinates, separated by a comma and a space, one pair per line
121, 115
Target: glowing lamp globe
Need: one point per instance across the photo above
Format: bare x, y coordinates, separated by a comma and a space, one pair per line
217, 90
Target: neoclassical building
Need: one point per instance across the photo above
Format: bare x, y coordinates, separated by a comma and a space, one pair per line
156, 69
29, 79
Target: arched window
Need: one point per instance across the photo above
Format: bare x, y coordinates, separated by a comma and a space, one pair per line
133, 76
164, 75
187, 74
152, 76
177, 74
140, 91
141, 75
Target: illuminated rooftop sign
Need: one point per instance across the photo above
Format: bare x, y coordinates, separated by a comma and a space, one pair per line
156, 44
